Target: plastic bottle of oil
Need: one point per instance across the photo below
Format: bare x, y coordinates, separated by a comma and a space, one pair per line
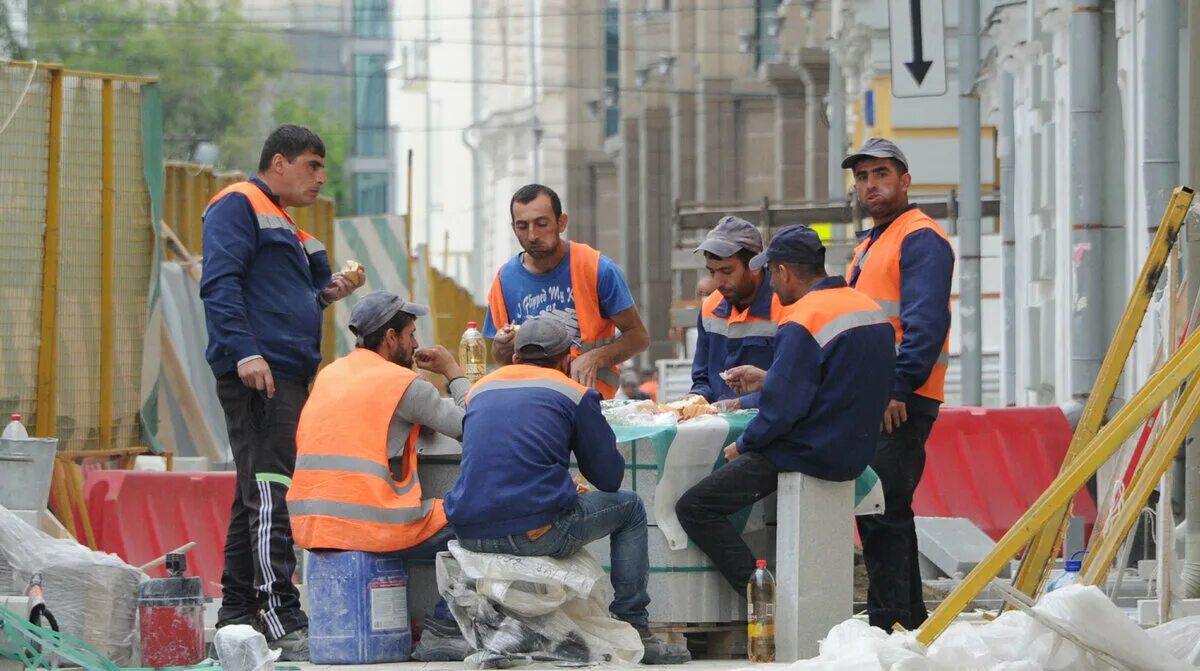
472, 353
760, 615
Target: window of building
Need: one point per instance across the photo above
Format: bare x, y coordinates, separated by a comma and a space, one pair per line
371, 18
766, 33
612, 66
370, 193
370, 105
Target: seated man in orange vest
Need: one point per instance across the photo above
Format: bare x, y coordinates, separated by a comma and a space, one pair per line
569, 281
355, 486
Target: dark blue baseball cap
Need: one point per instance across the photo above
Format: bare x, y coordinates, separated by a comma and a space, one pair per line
793, 244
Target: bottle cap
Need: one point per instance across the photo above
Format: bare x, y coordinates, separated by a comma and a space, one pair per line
761, 563
16, 417
472, 325
1074, 565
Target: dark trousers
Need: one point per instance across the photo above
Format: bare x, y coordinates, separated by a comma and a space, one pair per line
890, 540
259, 554
704, 512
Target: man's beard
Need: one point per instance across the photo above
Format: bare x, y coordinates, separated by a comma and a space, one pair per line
401, 359
542, 252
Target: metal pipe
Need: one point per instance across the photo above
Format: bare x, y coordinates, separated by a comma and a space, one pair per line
971, 355
1086, 212
428, 137
475, 271
1008, 239
837, 130
47, 389
811, 114
533, 84
107, 265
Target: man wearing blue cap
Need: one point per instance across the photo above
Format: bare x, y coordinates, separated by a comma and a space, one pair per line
905, 263
737, 321
820, 400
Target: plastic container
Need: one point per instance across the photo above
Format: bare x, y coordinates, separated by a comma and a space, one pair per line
1073, 566
760, 615
358, 608
15, 428
171, 617
472, 353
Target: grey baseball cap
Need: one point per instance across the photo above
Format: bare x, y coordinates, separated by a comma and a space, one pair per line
730, 236
794, 244
542, 338
875, 147
376, 309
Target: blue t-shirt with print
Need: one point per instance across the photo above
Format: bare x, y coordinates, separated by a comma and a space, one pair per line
528, 294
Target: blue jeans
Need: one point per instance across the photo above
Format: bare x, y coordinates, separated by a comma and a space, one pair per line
621, 515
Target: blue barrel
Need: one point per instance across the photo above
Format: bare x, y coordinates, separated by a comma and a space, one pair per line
357, 608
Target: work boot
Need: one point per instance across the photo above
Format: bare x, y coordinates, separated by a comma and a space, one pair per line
658, 651
441, 641
293, 646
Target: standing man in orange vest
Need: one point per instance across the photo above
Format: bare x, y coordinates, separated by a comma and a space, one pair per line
356, 485
905, 263
264, 285
569, 281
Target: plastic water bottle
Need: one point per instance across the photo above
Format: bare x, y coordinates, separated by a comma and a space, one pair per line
15, 428
760, 615
1070, 575
472, 353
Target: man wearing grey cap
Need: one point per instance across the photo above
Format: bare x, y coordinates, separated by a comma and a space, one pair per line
905, 263
737, 322
355, 486
524, 424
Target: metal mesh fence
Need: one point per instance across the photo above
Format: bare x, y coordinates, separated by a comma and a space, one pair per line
24, 146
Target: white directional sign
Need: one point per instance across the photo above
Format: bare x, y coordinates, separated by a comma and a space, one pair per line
918, 35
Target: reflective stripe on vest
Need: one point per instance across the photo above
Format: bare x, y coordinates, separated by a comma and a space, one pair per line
594, 330
343, 495
828, 313
879, 278
268, 214
525, 376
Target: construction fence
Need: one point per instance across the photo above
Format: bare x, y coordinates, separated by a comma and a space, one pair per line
82, 153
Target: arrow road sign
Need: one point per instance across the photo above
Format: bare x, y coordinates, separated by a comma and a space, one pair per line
918, 47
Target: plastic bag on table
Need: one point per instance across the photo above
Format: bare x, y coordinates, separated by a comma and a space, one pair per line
524, 610
636, 413
92, 595
241, 647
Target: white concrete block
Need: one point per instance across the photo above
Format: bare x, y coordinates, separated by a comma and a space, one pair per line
1147, 610
815, 572
953, 544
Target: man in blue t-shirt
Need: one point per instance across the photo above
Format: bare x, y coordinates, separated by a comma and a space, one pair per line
569, 281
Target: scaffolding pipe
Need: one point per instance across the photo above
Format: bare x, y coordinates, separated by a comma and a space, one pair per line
837, 130
1086, 188
1008, 239
970, 205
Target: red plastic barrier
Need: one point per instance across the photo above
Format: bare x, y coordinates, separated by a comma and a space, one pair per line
990, 464
140, 515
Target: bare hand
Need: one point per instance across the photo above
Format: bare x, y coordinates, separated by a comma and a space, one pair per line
731, 452
341, 286
745, 379
256, 374
503, 344
584, 368
437, 359
728, 405
895, 415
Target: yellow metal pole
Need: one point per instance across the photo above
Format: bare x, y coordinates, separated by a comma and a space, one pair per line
1164, 382
107, 290
47, 398
408, 227
1154, 464
1047, 542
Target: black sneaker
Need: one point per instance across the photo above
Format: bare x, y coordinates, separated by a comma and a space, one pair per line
441, 641
293, 645
658, 651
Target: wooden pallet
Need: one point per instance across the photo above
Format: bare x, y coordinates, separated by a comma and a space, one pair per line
706, 640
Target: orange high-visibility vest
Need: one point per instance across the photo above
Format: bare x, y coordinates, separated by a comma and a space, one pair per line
594, 330
880, 279
343, 495
829, 313
269, 214
739, 325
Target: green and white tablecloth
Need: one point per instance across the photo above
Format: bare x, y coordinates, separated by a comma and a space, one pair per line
689, 451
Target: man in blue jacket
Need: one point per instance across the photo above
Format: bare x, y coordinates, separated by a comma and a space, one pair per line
516, 495
264, 285
737, 322
820, 401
